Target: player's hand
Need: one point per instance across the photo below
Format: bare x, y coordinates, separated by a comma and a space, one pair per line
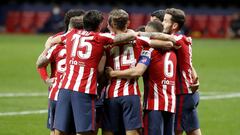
49, 81
195, 86
108, 71
176, 46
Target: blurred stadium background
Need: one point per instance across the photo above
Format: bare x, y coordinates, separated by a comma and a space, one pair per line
24, 27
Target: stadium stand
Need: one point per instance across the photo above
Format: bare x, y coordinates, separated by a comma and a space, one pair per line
201, 22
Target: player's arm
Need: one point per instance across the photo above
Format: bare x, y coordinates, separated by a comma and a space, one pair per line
134, 72
55, 40
124, 37
195, 85
42, 59
101, 65
44, 75
154, 43
158, 35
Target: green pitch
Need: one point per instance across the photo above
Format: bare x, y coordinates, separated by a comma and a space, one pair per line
216, 61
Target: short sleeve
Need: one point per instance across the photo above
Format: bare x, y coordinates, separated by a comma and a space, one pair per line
182, 40
51, 53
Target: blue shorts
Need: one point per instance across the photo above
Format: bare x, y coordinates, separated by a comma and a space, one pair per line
186, 112
122, 113
51, 113
75, 112
158, 123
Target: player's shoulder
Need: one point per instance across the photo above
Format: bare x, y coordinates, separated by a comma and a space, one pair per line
59, 33
185, 39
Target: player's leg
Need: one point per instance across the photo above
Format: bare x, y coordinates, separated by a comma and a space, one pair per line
63, 115
111, 116
132, 114
51, 115
179, 114
194, 129
84, 114
168, 118
153, 122
190, 120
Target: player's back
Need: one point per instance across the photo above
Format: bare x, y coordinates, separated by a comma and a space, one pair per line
84, 51
121, 57
184, 67
159, 81
57, 57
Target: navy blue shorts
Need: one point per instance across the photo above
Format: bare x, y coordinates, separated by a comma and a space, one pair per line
51, 113
186, 112
158, 122
122, 113
75, 112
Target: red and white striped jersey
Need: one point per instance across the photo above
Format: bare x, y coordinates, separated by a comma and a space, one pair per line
84, 51
56, 55
121, 57
184, 67
159, 80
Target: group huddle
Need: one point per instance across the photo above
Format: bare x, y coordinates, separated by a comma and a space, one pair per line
94, 76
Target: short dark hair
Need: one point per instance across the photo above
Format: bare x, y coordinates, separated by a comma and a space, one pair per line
92, 19
178, 16
72, 13
119, 17
155, 24
158, 14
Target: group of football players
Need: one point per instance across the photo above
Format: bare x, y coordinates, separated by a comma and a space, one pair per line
94, 76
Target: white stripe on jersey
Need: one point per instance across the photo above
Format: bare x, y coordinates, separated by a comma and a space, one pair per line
173, 98
50, 51
156, 98
135, 86
186, 82
125, 88
69, 77
107, 89
79, 78
115, 92
54, 84
89, 81
56, 96
164, 88
60, 83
